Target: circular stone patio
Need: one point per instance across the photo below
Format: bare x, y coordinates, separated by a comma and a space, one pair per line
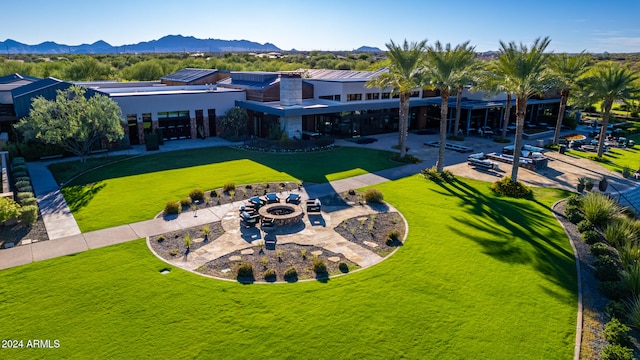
314, 229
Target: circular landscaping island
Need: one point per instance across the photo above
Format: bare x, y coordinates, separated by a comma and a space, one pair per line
347, 234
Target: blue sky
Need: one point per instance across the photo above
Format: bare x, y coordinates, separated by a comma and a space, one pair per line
572, 25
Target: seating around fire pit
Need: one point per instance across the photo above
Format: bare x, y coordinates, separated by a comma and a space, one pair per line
314, 205
249, 220
293, 199
271, 198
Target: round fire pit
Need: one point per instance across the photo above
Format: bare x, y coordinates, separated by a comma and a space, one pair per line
282, 214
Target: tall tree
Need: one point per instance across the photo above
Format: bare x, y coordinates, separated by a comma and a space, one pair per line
608, 82
523, 72
405, 74
566, 71
73, 121
448, 69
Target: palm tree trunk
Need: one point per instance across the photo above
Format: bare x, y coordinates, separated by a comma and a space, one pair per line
563, 104
456, 124
507, 113
605, 122
404, 123
444, 110
521, 111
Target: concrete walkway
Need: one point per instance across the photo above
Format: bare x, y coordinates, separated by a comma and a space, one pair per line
66, 238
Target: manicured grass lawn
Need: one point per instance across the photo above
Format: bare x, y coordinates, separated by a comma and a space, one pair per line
137, 189
617, 158
480, 277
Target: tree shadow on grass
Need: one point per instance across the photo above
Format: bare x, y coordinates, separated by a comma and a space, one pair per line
78, 196
505, 224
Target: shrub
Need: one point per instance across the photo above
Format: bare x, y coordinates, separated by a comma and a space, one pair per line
172, 208
599, 208
591, 237
196, 195
29, 214
575, 216
606, 268
373, 196
19, 168
501, 140
617, 333
630, 279
29, 201
392, 237
174, 252
574, 200
186, 202
585, 225
616, 352
291, 274
612, 289
23, 195
270, 275
620, 231
8, 209
343, 267
26, 188
319, 267
23, 178
632, 307
616, 309
245, 271
22, 183
509, 188
17, 174
229, 187
626, 172
433, 175
18, 161
407, 159
599, 248
160, 238
629, 255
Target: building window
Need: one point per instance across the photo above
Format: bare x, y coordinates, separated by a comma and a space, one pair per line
336, 97
132, 117
354, 97
330, 97
386, 95
373, 96
415, 93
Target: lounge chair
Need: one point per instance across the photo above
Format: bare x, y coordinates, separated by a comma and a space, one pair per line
293, 199
271, 198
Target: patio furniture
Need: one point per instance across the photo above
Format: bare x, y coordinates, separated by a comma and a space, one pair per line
271, 198
267, 223
314, 205
256, 202
248, 220
293, 199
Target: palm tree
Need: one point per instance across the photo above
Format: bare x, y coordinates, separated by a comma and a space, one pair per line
522, 72
608, 82
493, 83
566, 70
448, 69
404, 75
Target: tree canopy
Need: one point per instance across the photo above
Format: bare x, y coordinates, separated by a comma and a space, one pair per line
234, 121
73, 121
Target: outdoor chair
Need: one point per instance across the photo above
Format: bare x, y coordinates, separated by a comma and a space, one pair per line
272, 198
293, 199
314, 205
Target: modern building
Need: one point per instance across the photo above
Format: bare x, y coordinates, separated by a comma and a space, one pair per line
303, 103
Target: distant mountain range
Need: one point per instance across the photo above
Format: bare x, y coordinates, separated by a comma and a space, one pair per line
167, 44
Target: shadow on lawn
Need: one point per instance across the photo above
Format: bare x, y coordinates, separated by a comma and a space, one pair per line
507, 226
78, 196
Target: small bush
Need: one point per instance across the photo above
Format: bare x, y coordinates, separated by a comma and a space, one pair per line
599, 208
616, 352
501, 140
19, 168
22, 183
509, 188
29, 214
18, 174
160, 238
616, 309
18, 161
574, 200
229, 187
433, 175
407, 159
617, 333
585, 225
599, 248
270, 275
245, 271
626, 172
23, 178
591, 237
319, 266
196, 195
23, 195
186, 202
25, 188
29, 201
620, 232
392, 237
613, 290
291, 274
606, 268
343, 267
373, 196
174, 252
172, 208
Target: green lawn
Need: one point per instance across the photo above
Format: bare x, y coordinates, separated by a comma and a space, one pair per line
137, 189
616, 158
480, 277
